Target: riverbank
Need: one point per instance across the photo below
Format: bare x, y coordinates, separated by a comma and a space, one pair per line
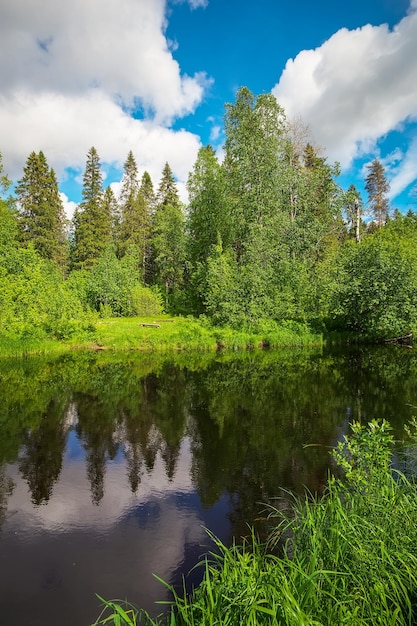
349, 557
166, 334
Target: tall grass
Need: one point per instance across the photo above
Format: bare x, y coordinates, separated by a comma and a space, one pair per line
347, 557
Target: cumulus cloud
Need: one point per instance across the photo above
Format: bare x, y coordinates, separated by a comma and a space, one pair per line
356, 87
402, 176
77, 74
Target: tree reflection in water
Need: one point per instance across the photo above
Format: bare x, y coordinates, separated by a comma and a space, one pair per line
242, 421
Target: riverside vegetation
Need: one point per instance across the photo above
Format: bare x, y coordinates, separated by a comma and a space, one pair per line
269, 244
348, 557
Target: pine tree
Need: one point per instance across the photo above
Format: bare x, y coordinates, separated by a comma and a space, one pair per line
92, 219
41, 213
377, 187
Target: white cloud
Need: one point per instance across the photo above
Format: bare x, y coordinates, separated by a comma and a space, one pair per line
403, 176
73, 73
354, 88
69, 205
194, 4
120, 48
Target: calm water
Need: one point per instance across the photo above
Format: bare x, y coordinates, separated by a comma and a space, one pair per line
112, 466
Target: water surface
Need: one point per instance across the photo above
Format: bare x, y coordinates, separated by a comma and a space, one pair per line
112, 466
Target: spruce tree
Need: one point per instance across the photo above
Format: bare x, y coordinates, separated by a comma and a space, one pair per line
92, 219
135, 214
377, 188
147, 203
111, 207
41, 213
167, 191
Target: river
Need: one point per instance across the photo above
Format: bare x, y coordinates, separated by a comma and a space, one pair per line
112, 466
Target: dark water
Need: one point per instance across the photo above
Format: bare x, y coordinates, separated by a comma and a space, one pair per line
112, 466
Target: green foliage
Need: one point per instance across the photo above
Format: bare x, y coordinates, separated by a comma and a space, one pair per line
167, 194
222, 299
377, 187
35, 302
135, 207
374, 288
168, 243
110, 283
146, 302
92, 219
41, 213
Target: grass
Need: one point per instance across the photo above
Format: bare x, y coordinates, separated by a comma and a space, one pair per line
188, 333
166, 334
348, 557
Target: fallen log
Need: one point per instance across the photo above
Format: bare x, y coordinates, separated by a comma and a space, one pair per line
152, 325
401, 339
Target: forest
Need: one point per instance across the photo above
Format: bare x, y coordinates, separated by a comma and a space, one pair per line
267, 235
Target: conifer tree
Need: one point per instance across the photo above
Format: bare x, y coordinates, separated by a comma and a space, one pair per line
167, 191
147, 204
167, 259
92, 219
41, 213
111, 207
147, 192
377, 188
135, 214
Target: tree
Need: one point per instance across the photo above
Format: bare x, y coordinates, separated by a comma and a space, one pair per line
168, 242
208, 217
377, 187
353, 205
92, 219
41, 213
5, 181
167, 191
135, 213
254, 129
375, 284
111, 207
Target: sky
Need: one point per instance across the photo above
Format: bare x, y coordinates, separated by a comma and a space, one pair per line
153, 76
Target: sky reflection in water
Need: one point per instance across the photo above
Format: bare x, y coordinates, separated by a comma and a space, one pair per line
111, 467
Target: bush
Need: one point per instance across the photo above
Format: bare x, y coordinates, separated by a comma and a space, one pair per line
146, 302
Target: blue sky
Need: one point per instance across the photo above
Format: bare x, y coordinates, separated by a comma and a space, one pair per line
152, 76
